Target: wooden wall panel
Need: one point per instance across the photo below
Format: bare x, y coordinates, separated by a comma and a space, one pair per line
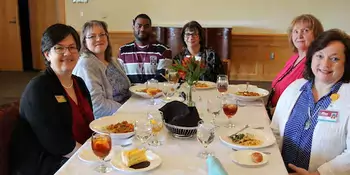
250, 54
118, 39
258, 57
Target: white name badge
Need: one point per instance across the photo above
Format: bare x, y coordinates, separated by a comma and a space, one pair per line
327, 116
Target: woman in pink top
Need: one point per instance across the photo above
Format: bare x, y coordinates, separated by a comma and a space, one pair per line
302, 31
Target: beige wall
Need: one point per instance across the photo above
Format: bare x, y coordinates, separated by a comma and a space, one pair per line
245, 16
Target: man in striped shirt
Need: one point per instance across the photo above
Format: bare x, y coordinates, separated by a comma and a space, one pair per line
142, 59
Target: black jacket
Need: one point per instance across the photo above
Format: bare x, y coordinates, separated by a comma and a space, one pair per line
43, 134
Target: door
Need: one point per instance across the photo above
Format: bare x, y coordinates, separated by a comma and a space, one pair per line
10, 40
42, 14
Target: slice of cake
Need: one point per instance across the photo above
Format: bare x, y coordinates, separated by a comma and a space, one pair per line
134, 156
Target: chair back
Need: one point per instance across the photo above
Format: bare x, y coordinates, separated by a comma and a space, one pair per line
9, 114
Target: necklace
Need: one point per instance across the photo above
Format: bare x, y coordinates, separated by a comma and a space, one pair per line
68, 87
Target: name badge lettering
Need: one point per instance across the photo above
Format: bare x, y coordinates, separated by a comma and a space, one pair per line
60, 98
327, 116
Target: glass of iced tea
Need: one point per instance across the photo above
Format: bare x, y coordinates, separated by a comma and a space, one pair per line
101, 145
152, 90
230, 107
173, 76
222, 84
156, 121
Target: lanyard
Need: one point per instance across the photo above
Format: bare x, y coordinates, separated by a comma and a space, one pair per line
308, 121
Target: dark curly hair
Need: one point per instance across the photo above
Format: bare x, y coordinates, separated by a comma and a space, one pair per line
55, 34
193, 26
320, 43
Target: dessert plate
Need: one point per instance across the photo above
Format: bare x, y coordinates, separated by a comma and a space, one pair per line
153, 158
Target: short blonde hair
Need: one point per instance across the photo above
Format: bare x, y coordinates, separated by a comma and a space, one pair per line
314, 25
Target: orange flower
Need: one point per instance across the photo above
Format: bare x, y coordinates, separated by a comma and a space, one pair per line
186, 61
202, 65
182, 74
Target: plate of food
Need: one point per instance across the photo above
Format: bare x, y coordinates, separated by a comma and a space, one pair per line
142, 91
251, 93
116, 128
136, 160
249, 158
248, 139
205, 85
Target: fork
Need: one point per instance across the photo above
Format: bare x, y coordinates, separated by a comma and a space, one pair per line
265, 152
245, 127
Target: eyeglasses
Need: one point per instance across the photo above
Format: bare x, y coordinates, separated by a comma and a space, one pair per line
94, 37
302, 31
187, 35
62, 49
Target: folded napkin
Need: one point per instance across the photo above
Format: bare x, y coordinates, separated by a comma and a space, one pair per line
179, 114
215, 167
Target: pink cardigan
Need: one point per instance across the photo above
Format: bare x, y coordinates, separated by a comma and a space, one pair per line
296, 73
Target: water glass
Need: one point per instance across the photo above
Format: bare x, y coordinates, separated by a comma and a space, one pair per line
205, 136
214, 107
143, 131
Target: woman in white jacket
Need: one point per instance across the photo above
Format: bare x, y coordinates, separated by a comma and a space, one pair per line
103, 75
312, 115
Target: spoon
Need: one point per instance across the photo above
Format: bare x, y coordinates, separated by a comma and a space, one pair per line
246, 88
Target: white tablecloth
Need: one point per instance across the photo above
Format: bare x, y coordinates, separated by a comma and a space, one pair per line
180, 156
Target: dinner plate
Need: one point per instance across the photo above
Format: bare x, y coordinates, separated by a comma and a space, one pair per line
135, 89
240, 88
267, 139
152, 157
243, 157
98, 125
210, 84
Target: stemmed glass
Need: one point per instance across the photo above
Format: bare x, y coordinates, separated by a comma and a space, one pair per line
101, 145
205, 135
143, 131
152, 89
168, 90
222, 84
156, 121
230, 107
214, 107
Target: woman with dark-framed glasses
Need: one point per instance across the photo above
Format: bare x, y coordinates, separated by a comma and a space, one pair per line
55, 108
103, 74
193, 40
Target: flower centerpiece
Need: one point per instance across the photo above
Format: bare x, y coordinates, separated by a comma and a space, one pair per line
189, 70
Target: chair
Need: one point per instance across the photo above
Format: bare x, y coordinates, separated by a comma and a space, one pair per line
9, 114
227, 63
